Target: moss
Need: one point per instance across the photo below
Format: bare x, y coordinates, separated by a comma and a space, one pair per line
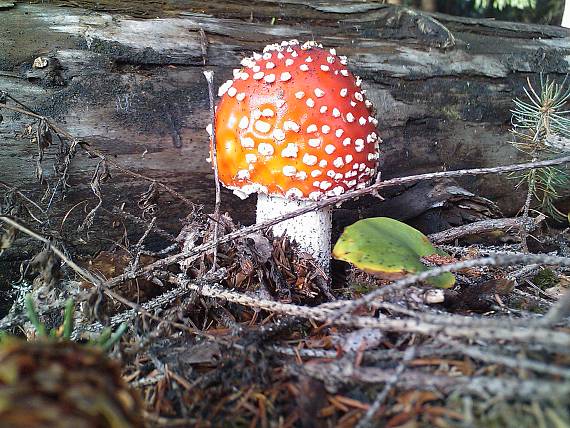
544, 279
362, 287
451, 113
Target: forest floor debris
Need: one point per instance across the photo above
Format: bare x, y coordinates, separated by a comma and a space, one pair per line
262, 339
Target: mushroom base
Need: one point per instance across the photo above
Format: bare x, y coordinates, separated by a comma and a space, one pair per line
311, 231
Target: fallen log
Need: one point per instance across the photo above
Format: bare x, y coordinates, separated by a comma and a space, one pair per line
130, 84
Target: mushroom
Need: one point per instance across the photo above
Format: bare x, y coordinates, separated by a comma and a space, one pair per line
295, 126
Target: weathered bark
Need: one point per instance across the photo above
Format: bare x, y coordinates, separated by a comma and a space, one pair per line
134, 88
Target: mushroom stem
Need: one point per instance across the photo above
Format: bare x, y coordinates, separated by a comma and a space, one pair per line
311, 231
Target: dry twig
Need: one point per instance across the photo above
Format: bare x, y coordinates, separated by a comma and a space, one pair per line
368, 417
339, 373
199, 250
472, 329
518, 363
492, 260
210, 79
96, 153
331, 313
483, 226
88, 276
24, 197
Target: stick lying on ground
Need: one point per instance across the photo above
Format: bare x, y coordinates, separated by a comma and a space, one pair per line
199, 250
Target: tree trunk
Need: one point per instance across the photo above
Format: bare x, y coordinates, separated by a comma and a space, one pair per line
133, 88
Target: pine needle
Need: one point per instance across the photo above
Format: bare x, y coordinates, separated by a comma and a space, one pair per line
537, 121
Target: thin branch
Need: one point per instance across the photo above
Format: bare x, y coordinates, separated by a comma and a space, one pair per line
484, 386
483, 226
214, 157
139, 245
535, 334
96, 153
140, 221
367, 419
21, 195
518, 363
152, 305
493, 260
10, 97
197, 251
509, 331
204, 45
371, 356
88, 276
526, 209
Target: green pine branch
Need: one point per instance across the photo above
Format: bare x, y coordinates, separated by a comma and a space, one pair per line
501, 4
541, 130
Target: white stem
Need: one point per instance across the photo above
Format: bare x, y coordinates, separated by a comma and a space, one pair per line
311, 231
566, 15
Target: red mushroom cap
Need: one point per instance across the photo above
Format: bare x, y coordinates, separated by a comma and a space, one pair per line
294, 122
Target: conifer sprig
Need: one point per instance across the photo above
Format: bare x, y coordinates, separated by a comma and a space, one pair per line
541, 130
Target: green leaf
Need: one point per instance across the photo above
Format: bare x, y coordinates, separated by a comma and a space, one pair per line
68, 319
389, 249
114, 338
34, 317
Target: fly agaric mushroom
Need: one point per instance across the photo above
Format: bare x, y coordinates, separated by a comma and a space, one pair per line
294, 126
